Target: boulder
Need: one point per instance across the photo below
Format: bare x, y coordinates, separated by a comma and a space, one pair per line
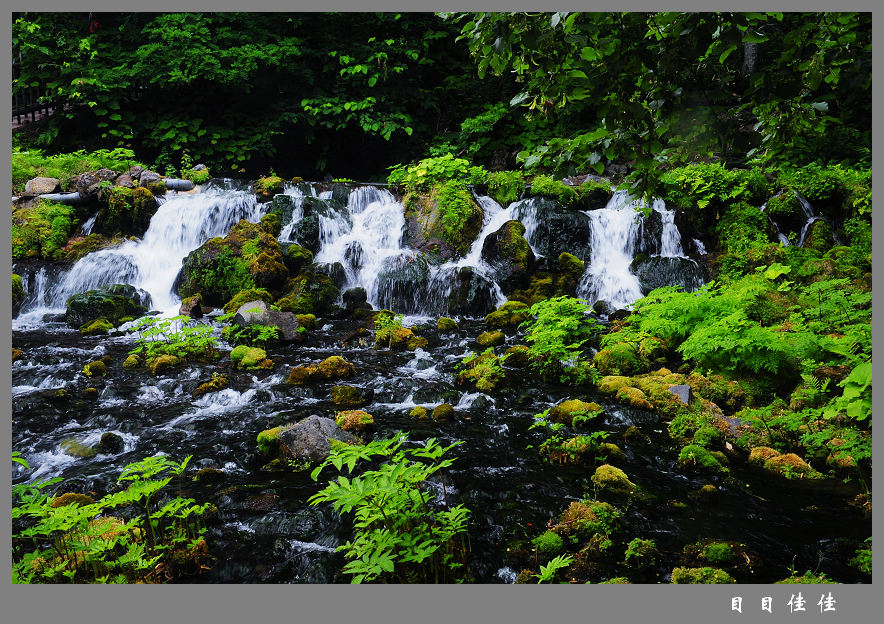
112, 302
683, 392
192, 307
356, 298
41, 185
656, 271
309, 440
125, 180
558, 228
509, 255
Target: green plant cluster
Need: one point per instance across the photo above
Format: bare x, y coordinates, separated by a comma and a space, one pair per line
485, 370
506, 186
125, 537
32, 163
557, 335
432, 172
41, 230
399, 535
179, 336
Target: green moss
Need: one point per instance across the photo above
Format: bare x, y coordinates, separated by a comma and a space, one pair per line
269, 185
446, 324
216, 384
594, 193
336, 367
41, 230
545, 186
95, 368
132, 361
16, 354
354, 420
571, 268
510, 314
808, 578
516, 356
71, 498
491, 338
348, 396
612, 478
506, 186
163, 362
548, 544
684, 576
418, 412
297, 258
697, 457
76, 448
245, 358
443, 413
719, 553
617, 580
565, 411
98, 327
268, 440
585, 518
18, 292
483, 370
307, 321
460, 215
197, 176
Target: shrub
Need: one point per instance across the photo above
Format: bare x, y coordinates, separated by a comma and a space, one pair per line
179, 336
432, 172
557, 335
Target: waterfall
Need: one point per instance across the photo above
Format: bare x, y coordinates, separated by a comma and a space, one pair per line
614, 232
86, 228
179, 226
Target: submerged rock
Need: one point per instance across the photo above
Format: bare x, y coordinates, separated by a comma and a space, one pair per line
309, 439
655, 272
112, 302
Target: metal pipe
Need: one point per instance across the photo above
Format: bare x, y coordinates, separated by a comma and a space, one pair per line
177, 184
64, 198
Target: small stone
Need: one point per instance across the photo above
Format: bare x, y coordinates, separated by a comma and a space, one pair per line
683, 392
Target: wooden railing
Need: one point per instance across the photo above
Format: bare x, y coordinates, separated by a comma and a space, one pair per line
27, 102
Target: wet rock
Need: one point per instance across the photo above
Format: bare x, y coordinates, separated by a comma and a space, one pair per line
125, 180
308, 440
191, 306
216, 384
354, 420
443, 413
111, 443
97, 368
655, 272
356, 299
490, 339
446, 324
683, 392
509, 255
559, 229
76, 448
257, 313
112, 302
351, 396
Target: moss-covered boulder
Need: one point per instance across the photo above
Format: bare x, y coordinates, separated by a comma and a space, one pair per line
268, 440
268, 186
443, 413
565, 411
247, 258
491, 338
112, 303
608, 477
111, 443
71, 498
126, 210
132, 361
354, 420
695, 457
77, 448
97, 369
163, 363
789, 465
704, 575
309, 293
419, 412
586, 518
297, 258
350, 396
215, 384
246, 295
98, 327
510, 314
16, 354
310, 440
516, 356
509, 255
445, 221
446, 324
244, 357
336, 367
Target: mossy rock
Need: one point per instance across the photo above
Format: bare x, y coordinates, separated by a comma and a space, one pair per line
510, 314
162, 363
446, 324
705, 575
307, 321
808, 578
272, 223
245, 296
509, 255
336, 367
18, 294
571, 269
611, 453
585, 518
492, 338
132, 361
98, 368
611, 384
109, 302
443, 413
634, 435
111, 443
350, 396
70, 498
250, 358
268, 440
269, 186
516, 356
634, 397
617, 580
789, 465
297, 258
301, 375
565, 411
216, 384
309, 293
416, 342
548, 544
76, 448
354, 420
16, 354
419, 412
761, 454
696, 457
208, 475
610, 477
98, 327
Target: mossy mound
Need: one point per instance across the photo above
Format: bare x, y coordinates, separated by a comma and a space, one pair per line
565, 411
634, 397
98, 327
509, 255
354, 420
76, 448
268, 440
307, 321
808, 578
443, 413
419, 412
301, 375
250, 358
548, 544
349, 396
610, 477
516, 356
216, 384
309, 293
695, 457
245, 296
16, 354
297, 258
128, 210
111, 443
446, 324
510, 314
132, 361
492, 338
447, 219
791, 466
208, 475
247, 258
161, 363
268, 186
97, 368
586, 518
761, 454
71, 498
111, 303
336, 367
683, 576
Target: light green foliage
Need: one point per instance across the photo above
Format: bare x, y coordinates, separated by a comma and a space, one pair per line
179, 336
641, 552
863, 559
81, 543
701, 575
548, 544
34, 163
696, 457
433, 172
719, 553
808, 578
41, 230
556, 337
702, 185
399, 535
253, 335
458, 210
506, 186
545, 186
484, 370
548, 571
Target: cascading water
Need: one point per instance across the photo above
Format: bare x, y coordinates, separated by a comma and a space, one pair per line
614, 232
180, 225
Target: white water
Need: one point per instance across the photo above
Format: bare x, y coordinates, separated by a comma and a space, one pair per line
179, 226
